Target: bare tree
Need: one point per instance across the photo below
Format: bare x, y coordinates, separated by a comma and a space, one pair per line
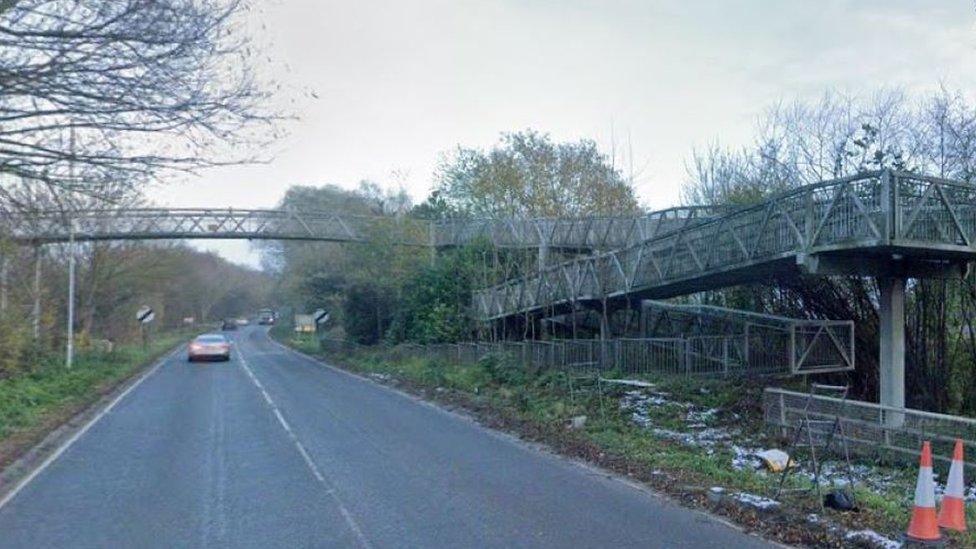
841, 135
98, 97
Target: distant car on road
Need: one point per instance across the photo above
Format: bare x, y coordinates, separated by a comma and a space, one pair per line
266, 317
209, 347
229, 324
243, 321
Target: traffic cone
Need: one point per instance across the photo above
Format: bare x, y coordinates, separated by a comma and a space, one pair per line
953, 512
924, 526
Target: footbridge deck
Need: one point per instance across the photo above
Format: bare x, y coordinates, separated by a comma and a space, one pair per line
208, 223
582, 234
879, 223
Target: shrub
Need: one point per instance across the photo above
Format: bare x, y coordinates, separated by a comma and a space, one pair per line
15, 346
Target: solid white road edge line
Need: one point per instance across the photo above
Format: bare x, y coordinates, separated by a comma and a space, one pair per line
316, 472
51, 458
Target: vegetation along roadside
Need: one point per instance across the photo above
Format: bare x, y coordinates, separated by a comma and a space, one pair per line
684, 438
38, 401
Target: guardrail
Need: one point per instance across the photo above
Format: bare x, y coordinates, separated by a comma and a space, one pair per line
873, 429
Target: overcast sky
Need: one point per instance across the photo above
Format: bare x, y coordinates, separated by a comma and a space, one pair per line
399, 82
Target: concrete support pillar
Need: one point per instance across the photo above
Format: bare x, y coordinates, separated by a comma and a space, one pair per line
645, 330
36, 311
543, 255
892, 340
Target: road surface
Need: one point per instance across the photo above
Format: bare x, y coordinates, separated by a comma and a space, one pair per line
276, 450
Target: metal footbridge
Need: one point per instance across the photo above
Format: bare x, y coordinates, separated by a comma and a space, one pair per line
583, 234
884, 224
889, 225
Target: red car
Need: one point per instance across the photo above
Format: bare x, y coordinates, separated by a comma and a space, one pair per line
209, 347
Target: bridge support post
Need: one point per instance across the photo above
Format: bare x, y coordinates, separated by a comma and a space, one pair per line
36, 311
892, 341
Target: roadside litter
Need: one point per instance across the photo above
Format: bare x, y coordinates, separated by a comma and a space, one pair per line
776, 460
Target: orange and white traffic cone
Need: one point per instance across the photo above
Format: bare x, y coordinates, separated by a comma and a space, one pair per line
924, 526
953, 512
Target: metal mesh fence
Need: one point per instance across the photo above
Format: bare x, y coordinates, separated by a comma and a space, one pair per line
873, 429
692, 356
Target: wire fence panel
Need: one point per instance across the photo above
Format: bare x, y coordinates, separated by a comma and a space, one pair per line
873, 429
694, 356
651, 356
824, 346
763, 351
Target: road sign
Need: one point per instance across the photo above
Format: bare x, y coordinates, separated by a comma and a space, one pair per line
145, 314
320, 316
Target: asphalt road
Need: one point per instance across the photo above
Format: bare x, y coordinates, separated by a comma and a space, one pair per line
275, 450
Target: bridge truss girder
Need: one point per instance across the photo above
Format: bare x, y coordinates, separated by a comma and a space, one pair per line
886, 223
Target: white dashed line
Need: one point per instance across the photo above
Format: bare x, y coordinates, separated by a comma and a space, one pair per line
329, 489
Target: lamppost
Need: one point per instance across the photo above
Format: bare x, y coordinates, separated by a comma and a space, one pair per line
70, 351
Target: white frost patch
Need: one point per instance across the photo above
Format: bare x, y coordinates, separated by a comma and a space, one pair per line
745, 458
701, 417
638, 400
833, 473
753, 500
872, 537
639, 404
705, 438
629, 382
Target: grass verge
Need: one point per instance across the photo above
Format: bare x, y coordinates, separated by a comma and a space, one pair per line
539, 406
35, 403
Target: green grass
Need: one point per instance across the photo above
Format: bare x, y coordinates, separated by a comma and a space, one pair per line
26, 399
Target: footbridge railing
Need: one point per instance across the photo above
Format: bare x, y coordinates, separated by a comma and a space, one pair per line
850, 219
582, 234
585, 233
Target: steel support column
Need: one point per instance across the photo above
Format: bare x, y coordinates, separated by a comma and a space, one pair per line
892, 345
69, 352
